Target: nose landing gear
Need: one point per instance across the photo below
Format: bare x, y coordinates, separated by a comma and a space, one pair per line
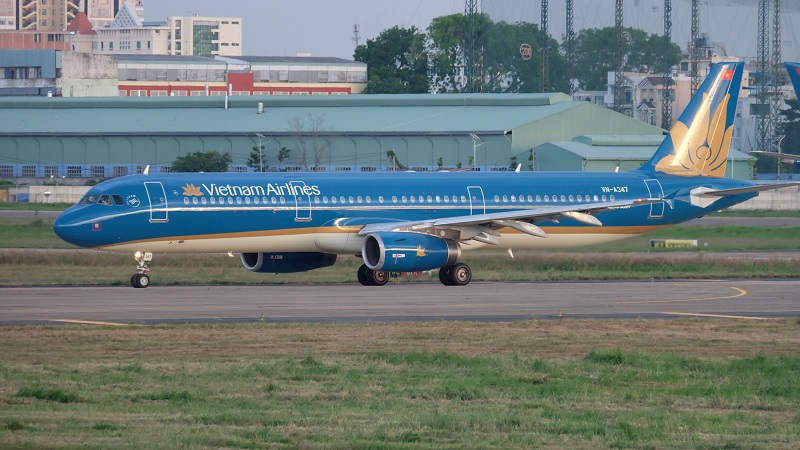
141, 279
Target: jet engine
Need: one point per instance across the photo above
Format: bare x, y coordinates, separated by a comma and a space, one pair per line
286, 262
408, 252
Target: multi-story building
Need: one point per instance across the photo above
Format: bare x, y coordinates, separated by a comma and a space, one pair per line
56, 15
127, 35
205, 36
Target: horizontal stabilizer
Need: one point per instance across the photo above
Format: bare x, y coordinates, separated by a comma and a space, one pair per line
777, 155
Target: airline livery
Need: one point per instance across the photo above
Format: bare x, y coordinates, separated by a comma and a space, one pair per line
403, 222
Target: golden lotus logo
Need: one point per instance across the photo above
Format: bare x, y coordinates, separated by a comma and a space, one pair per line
421, 252
701, 150
191, 190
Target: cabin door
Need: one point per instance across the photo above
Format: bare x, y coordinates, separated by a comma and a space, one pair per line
656, 191
477, 203
302, 201
158, 201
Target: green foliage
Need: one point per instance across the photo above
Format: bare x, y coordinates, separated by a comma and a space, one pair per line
595, 55
51, 394
209, 161
397, 62
257, 159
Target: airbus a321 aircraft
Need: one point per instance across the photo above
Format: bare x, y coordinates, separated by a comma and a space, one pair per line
402, 222
794, 74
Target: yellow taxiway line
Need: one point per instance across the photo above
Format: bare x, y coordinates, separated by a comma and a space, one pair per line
720, 316
89, 322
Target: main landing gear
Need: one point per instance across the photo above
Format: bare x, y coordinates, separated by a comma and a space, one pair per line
141, 279
369, 277
456, 275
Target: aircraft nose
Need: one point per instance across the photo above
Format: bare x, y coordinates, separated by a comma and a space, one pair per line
70, 229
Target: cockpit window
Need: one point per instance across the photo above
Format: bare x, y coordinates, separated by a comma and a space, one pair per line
105, 199
90, 199
117, 200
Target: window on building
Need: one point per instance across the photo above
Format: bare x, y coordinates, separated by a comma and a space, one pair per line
50, 171
74, 171
6, 171
120, 171
28, 171
97, 171
44, 23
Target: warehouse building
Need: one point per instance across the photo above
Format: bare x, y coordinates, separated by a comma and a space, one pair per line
96, 138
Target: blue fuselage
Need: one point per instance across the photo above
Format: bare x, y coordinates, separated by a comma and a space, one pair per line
262, 212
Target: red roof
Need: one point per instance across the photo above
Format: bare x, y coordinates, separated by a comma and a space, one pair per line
81, 25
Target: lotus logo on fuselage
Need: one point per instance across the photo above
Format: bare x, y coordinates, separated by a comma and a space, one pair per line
132, 200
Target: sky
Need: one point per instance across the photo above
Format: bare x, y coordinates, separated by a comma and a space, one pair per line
325, 27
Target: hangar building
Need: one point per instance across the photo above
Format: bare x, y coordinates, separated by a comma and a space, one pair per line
95, 138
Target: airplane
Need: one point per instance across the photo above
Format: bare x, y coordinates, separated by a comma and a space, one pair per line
787, 158
416, 221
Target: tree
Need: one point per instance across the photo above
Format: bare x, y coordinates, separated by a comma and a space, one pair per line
312, 141
498, 46
257, 160
595, 55
283, 154
397, 61
209, 161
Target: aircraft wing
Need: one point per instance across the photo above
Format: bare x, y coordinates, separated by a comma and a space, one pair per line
482, 227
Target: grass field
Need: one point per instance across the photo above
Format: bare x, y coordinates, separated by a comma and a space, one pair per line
621, 260
552, 384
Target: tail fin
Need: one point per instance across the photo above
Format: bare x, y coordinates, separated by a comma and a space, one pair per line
698, 144
794, 75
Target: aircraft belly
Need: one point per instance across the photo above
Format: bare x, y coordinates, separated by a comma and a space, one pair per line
282, 243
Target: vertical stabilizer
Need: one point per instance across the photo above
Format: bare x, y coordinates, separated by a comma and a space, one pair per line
794, 75
698, 143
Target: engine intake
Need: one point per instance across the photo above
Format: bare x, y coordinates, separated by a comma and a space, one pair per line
286, 262
408, 252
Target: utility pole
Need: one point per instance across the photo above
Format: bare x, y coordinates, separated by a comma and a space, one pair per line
471, 76
570, 45
762, 125
544, 69
667, 90
618, 75
694, 63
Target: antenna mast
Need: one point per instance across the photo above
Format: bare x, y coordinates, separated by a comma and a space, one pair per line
356, 38
667, 89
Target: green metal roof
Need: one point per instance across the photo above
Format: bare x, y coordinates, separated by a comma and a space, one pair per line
352, 114
622, 152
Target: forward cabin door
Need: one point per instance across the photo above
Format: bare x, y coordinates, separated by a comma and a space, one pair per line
158, 201
477, 203
656, 191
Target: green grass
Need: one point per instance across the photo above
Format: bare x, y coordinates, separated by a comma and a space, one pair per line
67, 265
60, 206
159, 388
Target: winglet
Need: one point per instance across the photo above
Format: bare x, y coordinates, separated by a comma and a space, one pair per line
699, 142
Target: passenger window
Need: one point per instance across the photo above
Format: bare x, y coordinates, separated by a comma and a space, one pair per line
571, 198
118, 200
105, 199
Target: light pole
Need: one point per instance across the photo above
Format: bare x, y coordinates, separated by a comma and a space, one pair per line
260, 154
475, 145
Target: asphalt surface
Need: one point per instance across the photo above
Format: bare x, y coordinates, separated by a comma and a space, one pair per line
351, 303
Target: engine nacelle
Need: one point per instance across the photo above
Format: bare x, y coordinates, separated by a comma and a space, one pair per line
408, 252
286, 262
